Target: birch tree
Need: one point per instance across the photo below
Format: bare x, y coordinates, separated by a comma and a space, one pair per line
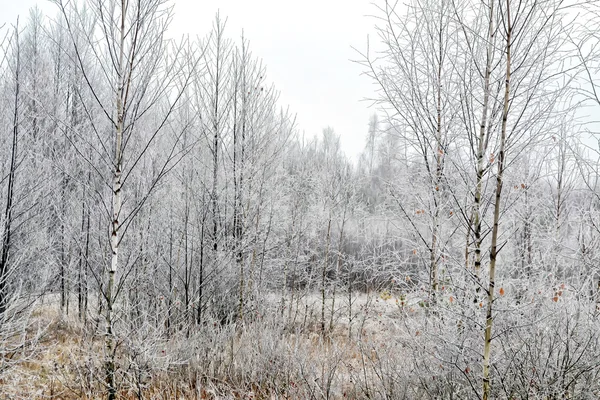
533, 49
136, 80
416, 85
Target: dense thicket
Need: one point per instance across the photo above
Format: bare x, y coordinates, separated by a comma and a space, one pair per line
157, 199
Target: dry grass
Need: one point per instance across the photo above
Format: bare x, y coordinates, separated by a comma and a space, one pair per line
394, 352
261, 360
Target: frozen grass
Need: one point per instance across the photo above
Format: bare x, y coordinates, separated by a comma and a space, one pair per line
391, 352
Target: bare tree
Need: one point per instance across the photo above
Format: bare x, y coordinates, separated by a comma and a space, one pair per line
417, 87
8, 212
136, 79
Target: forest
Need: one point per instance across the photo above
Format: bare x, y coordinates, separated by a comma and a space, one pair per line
169, 233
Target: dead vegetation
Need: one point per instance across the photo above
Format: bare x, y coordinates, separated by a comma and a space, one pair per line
392, 352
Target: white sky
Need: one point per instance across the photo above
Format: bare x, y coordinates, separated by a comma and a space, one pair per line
305, 45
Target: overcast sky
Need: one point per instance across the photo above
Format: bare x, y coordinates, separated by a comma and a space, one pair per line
305, 45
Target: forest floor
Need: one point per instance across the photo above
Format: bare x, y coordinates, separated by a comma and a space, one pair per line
63, 358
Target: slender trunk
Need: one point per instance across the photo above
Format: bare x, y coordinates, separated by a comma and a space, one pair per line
559, 202
61, 218
527, 247
168, 300
82, 262
82, 288
64, 306
294, 272
324, 275
238, 181
101, 287
34, 75
434, 279
6, 234
494, 248
439, 161
188, 273
350, 318
215, 154
286, 275
116, 206
337, 268
468, 242
481, 148
86, 257
201, 272
240, 263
